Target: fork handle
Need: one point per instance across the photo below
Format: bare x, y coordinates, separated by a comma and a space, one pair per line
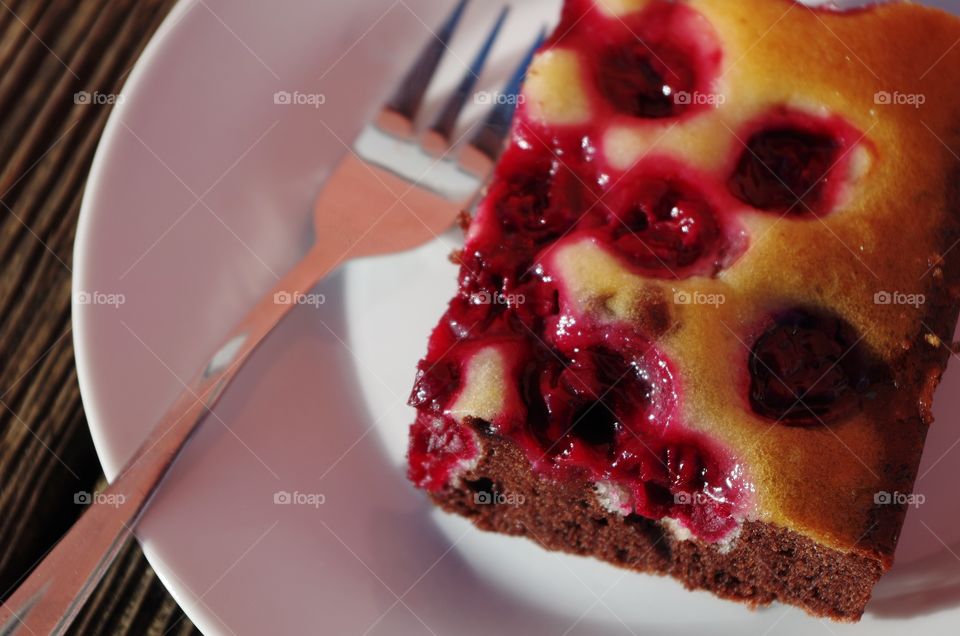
49, 600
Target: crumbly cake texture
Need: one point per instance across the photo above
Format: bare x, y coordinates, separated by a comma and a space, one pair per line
676, 362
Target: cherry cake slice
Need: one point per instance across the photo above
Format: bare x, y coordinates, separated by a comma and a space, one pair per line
702, 308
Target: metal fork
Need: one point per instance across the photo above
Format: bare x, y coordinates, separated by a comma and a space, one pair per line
375, 202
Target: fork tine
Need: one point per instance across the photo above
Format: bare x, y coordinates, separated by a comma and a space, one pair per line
439, 134
406, 101
487, 143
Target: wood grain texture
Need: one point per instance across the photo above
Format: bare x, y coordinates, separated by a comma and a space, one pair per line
50, 50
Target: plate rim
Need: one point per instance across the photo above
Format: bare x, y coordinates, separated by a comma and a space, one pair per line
136, 81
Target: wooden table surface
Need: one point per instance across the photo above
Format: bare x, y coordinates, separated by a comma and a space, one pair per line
49, 51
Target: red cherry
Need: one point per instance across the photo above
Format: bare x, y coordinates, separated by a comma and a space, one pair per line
786, 170
662, 225
644, 81
807, 369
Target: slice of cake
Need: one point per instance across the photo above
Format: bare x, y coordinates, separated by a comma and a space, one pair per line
703, 306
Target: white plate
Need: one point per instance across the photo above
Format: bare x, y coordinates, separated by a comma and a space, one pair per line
320, 409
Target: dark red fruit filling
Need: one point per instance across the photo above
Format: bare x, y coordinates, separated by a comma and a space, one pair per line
784, 170
596, 403
545, 190
605, 409
809, 369
653, 215
438, 445
659, 63
540, 193
435, 383
643, 82
663, 224
794, 164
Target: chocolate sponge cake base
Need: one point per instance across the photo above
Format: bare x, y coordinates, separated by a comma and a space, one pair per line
763, 564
